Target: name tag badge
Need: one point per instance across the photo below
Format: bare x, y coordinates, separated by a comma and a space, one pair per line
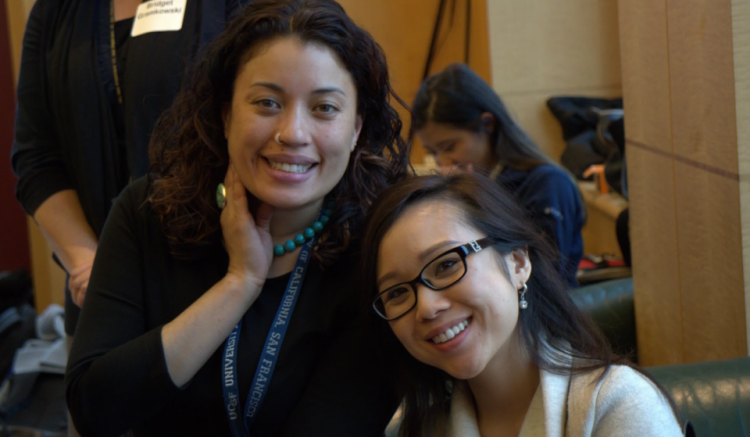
158, 16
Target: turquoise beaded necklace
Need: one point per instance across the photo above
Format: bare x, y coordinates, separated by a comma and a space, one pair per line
307, 234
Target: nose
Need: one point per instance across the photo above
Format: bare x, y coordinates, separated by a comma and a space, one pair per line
294, 126
430, 303
444, 159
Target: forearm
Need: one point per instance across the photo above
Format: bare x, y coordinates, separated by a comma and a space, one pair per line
63, 223
191, 338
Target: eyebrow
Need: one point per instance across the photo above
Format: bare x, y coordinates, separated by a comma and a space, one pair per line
279, 89
421, 257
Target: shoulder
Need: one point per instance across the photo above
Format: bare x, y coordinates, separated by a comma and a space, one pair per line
622, 401
132, 202
550, 176
136, 192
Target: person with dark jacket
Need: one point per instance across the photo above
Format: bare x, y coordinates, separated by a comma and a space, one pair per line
89, 95
460, 120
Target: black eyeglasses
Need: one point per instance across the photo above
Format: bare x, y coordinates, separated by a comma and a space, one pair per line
438, 274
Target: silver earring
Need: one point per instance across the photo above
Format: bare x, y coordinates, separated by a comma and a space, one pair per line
522, 303
278, 138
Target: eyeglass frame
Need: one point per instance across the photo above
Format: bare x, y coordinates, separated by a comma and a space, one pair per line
463, 251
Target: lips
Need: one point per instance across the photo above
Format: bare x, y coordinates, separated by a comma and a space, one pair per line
447, 330
285, 158
450, 333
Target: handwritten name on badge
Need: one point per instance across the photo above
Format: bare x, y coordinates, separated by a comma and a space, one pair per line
158, 16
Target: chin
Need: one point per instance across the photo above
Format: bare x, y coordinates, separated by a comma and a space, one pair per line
461, 369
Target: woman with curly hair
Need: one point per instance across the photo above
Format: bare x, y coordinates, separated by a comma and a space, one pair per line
221, 299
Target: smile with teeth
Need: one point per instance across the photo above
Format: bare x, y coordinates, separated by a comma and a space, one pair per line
289, 168
450, 333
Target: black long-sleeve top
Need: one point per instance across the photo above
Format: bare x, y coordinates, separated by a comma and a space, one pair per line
71, 131
328, 379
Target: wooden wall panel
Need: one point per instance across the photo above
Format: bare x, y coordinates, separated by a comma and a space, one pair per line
404, 29
710, 260
702, 77
681, 128
645, 73
707, 188
653, 233
542, 48
741, 43
653, 238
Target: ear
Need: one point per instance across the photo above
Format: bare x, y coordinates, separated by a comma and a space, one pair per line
488, 121
357, 130
226, 118
519, 267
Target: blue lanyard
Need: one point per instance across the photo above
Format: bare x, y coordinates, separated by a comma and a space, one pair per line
267, 362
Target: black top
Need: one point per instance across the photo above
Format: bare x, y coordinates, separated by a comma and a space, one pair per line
327, 382
551, 198
70, 132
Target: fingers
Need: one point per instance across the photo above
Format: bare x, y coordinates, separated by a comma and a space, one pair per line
237, 193
80, 295
263, 217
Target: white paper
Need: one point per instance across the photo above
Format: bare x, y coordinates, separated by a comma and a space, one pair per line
158, 16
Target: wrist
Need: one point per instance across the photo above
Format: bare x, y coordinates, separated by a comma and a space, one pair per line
245, 283
81, 260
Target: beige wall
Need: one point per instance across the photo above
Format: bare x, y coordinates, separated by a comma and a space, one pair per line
682, 148
543, 48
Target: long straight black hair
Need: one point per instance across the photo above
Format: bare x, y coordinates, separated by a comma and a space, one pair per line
458, 97
557, 336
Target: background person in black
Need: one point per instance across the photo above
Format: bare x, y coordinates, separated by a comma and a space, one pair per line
290, 104
74, 148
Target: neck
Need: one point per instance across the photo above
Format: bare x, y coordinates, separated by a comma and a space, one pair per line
286, 224
505, 388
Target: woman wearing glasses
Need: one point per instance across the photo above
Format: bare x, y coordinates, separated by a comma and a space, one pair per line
461, 121
221, 300
497, 346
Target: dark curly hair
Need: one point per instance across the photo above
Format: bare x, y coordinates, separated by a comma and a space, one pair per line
189, 151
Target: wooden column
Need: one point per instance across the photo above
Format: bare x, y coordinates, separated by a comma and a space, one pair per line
682, 152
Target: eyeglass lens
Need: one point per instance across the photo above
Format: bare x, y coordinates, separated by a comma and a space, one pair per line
440, 273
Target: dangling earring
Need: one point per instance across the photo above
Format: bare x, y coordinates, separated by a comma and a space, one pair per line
522, 303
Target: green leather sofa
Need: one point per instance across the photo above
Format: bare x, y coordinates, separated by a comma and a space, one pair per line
610, 305
714, 396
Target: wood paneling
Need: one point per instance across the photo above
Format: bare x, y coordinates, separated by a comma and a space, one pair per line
681, 122
543, 48
710, 260
404, 29
645, 72
702, 78
653, 239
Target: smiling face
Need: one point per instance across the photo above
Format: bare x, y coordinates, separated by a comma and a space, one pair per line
292, 123
481, 309
453, 146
